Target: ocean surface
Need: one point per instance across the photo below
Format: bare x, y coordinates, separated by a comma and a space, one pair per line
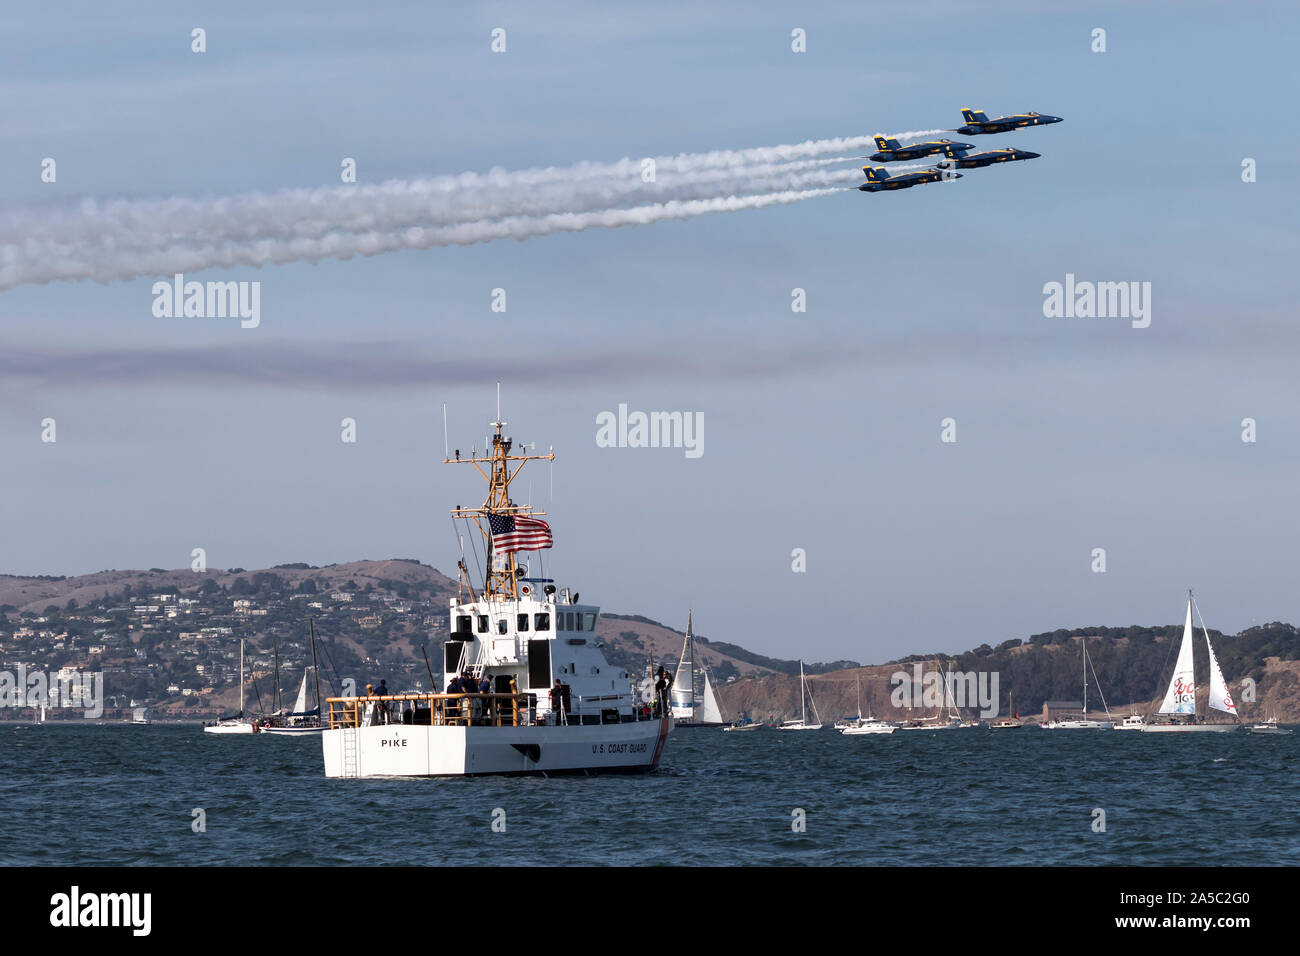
122, 795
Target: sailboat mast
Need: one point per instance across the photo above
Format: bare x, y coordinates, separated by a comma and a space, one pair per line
241, 677
803, 711
315, 669
1083, 641
690, 669
938, 710
1207, 638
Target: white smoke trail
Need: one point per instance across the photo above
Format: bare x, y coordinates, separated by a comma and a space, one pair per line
392, 205
188, 259
127, 238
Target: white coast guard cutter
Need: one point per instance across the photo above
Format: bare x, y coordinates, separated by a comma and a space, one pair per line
521, 636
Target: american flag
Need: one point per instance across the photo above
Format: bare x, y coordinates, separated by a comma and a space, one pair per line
519, 534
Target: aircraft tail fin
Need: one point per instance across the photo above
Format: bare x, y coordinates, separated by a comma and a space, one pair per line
974, 116
876, 174
885, 142
952, 152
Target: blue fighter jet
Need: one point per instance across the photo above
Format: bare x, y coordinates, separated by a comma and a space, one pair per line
978, 123
891, 152
878, 178
956, 159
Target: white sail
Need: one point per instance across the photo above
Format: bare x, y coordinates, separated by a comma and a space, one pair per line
300, 705
709, 710
1220, 696
1180, 698
683, 690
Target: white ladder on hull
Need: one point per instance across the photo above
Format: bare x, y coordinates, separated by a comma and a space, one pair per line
350, 768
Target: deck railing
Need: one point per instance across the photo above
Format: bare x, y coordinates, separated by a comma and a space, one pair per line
443, 710
458, 710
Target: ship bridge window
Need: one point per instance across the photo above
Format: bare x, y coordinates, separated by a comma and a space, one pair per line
589, 621
463, 624
541, 622
521, 621
568, 622
503, 626
482, 623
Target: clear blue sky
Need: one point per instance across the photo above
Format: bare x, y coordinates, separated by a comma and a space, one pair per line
821, 429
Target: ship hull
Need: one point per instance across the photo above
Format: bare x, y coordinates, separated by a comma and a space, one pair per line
1188, 728
293, 731
405, 750
233, 727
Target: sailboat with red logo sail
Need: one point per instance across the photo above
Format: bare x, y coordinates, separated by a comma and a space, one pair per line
1179, 705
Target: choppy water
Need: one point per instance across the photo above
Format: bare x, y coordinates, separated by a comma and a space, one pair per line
124, 795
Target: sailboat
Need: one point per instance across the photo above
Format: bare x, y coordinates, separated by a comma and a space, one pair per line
1179, 704
848, 722
1008, 723
301, 722
804, 695
238, 724
711, 711
1083, 722
864, 725
938, 721
686, 712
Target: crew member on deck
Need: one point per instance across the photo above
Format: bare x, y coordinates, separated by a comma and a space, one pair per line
661, 693
557, 701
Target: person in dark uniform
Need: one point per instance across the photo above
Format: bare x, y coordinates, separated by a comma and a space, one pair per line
564, 701
485, 687
557, 701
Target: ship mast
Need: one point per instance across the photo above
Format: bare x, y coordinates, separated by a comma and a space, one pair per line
500, 582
